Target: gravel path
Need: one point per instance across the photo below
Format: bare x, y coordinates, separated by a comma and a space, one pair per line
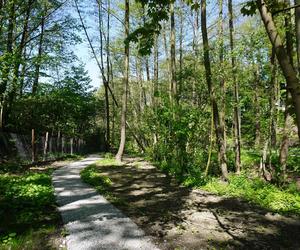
91, 221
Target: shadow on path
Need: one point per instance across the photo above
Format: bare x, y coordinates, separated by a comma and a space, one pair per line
178, 217
91, 221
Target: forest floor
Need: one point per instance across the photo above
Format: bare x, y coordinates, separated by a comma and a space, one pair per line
177, 217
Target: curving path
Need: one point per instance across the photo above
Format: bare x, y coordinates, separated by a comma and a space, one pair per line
91, 221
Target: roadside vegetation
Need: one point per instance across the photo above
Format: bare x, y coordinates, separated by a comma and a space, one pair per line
29, 216
249, 186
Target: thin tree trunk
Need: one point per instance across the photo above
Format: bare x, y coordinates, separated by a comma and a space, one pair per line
167, 55
125, 85
155, 76
222, 78
210, 144
297, 25
107, 134
108, 71
39, 57
71, 145
273, 99
32, 145
58, 141
62, 144
257, 107
180, 51
45, 146
218, 129
173, 86
237, 119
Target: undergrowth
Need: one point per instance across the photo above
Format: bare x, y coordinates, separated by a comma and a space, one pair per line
27, 210
101, 183
257, 191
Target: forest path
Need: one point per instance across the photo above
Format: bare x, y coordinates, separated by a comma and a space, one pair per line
90, 220
177, 217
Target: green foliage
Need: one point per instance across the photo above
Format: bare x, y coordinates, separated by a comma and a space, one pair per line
100, 182
109, 156
27, 204
26, 195
108, 162
91, 176
259, 192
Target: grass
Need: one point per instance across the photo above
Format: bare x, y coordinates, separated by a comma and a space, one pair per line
266, 195
92, 176
29, 218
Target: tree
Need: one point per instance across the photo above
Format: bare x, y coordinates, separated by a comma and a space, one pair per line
214, 106
125, 90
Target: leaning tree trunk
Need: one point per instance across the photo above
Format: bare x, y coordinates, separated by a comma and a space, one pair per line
218, 129
125, 85
289, 72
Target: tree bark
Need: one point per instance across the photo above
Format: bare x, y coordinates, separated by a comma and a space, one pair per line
71, 145
297, 26
218, 129
256, 104
32, 146
180, 50
45, 146
39, 56
289, 73
125, 85
222, 78
237, 119
173, 86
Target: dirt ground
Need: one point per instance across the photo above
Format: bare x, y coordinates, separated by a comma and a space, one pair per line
180, 218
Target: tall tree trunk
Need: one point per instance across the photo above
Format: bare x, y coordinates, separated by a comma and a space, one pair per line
22, 44
58, 141
173, 87
108, 74
33, 145
289, 73
237, 119
104, 80
273, 100
222, 78
297, 24
45, 146
164, 36
218, 129
256, 104
155, 71
180, 50
39, 57
71, 145
125, 85
7, 67
287, 116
